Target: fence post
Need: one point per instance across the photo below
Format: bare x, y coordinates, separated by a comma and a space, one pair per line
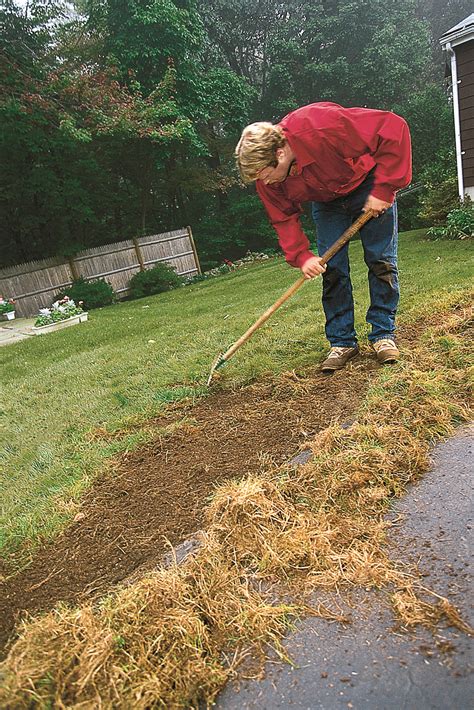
72, 265
139, 254
190, 233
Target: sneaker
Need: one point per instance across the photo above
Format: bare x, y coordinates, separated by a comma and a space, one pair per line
386, 351
338, 357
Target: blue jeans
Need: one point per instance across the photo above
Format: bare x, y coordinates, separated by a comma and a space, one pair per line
379, 240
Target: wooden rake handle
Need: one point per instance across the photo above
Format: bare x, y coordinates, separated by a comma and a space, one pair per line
343, 239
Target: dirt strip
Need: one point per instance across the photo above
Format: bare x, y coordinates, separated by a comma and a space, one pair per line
158, 492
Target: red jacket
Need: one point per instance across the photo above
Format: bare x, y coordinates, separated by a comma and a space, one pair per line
335, 148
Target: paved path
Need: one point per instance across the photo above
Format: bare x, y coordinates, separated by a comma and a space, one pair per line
366, 665
12, 331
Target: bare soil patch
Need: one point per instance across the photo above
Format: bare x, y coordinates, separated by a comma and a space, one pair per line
158, 492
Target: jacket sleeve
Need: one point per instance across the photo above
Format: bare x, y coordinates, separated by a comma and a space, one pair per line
387, 138
284, 216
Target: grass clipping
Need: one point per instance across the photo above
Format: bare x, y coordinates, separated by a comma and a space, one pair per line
173, 639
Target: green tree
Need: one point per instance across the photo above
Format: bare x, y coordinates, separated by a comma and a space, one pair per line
46, 184
441, 15
77, 142
121, 116
370, 53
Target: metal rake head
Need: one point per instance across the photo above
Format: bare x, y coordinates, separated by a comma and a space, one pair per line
218, 362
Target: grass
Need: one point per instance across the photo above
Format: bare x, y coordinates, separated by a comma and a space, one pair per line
130, 360
173, 638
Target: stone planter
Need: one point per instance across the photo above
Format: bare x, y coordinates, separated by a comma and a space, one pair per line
9, 315
81, 317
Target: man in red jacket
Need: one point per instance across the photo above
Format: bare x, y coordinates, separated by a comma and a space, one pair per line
343, 160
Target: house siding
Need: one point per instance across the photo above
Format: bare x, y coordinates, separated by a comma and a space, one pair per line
465, 69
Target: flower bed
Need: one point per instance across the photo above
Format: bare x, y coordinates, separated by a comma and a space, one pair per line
227, 265
62, 314
50, 327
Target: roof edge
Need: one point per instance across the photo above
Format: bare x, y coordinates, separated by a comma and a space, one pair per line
462, 32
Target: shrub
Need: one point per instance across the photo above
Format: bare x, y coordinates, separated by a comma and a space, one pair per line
232, 230
439, 198
459, 224
94, 293
161, 277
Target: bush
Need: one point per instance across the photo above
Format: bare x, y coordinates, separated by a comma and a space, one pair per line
438, 200
161, 277
459, 224
94, 293
230, 231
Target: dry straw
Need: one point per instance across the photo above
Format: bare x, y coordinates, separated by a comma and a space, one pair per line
172, 639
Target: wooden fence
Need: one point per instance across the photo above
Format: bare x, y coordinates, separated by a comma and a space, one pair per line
34, 285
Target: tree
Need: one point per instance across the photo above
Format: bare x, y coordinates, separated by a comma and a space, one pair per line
41, 172
121, 116
440, 16
75, 140
370, 53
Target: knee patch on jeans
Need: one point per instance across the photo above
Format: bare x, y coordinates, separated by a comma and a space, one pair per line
385, 271
331, 280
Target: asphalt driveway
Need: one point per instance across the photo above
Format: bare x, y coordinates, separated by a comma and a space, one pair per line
369, 664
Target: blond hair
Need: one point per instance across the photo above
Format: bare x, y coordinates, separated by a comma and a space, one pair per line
257, 148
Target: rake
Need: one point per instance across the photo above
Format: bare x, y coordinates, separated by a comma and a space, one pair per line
222, 358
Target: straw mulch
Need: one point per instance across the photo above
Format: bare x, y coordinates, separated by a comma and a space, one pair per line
172, 639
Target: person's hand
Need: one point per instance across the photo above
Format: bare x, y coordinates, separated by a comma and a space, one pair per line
313, 267
378, 206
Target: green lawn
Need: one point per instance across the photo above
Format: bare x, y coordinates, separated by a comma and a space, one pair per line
129, 360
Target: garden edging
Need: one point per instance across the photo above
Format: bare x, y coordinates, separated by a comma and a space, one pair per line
41, 330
